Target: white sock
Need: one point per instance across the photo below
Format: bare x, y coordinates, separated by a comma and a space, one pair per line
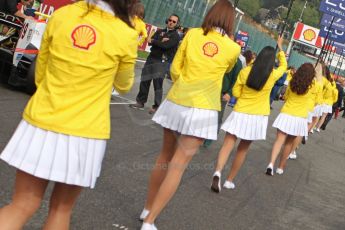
144, 214
217, 173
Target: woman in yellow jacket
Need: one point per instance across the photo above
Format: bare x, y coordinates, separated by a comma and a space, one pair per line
292, 121
330, 96
138, 15
62, 137
248, 121
190, 112
321, 84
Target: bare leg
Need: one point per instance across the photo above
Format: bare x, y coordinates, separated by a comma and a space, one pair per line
27, 197
296, 143
281, 136
314, 122
224, 153
241, 154
61, 204
160, 169
287, 150
322, 120
187, 147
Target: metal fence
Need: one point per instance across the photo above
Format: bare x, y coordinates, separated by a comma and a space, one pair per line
191, 14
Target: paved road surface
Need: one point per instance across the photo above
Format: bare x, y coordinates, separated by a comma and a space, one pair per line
310, 195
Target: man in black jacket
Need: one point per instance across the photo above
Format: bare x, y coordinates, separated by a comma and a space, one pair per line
164, 45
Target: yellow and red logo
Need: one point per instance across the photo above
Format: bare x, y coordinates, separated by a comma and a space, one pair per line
210, 49
309, 35
83, 37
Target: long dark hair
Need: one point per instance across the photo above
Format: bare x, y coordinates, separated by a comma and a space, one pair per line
262, 68
302, 79
328, 74
222, 15
121, 8
138, 10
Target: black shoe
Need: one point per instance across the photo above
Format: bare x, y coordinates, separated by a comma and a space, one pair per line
215, 187
304, 141
269, 171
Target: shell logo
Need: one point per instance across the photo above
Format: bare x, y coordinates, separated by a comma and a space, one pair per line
210, 49
83, 37
309, 35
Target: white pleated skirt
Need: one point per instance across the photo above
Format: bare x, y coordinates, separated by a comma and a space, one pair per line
310, 117
202, 123
54, 156
292, 125
246, 126
326, 108
318, 111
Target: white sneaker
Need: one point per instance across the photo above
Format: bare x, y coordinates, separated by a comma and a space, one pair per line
215, 186
279, 171
312, 131
317, 130
229, 185
269, 170
147, 226
144, 214
114, 93
293, 155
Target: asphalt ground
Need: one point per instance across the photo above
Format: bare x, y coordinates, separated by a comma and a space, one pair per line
309, 195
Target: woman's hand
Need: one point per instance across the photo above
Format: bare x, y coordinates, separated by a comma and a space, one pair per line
280, 42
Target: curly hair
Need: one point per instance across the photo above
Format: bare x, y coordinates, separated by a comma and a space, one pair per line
328, 74
302, 79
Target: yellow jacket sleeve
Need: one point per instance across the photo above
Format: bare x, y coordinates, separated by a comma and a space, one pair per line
234, 60
277, 73
42, 58
178, 62
124, 77
335, 93
240, 82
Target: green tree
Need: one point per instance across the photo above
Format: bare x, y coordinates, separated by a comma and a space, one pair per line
249, 6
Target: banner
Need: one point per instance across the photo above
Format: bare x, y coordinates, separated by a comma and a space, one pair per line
308, 34
333, 7
334, 35
242, 38
338, 23
340, 48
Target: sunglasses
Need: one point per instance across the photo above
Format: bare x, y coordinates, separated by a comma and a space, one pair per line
170, 20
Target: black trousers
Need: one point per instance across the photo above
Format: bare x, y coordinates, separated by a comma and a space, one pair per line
154, 70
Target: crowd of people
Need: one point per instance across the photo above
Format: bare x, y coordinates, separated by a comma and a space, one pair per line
78, 67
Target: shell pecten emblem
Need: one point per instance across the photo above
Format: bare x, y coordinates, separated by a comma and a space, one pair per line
309, 35
83, 37
210, 49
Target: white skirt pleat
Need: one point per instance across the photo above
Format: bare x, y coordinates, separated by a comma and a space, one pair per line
54, 156
292, 125
310, 117
318, 111
246, 126
326, 108
202, 123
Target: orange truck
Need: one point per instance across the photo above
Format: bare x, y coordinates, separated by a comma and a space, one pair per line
19, 45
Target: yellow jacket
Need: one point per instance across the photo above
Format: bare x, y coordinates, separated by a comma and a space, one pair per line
319, 92
299, 105
140, 27
289, 76
198, 69
82, 56
330, 93
250, 101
